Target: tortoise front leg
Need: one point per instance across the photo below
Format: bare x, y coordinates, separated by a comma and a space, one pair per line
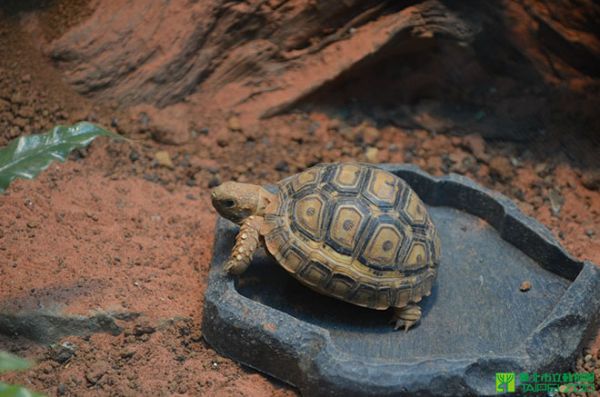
246, 243
406, 316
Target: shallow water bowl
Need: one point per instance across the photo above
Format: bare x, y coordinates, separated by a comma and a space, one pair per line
476, 322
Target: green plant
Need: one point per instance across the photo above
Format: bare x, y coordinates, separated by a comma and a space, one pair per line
27, 156
10, 362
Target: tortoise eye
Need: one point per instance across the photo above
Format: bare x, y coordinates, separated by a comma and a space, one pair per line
228, 203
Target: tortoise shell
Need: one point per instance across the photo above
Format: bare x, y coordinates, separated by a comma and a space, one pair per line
354, 232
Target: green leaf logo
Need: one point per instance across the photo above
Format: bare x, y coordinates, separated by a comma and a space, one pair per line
505, 382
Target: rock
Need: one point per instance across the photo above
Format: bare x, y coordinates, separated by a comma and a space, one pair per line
282, 166
333, 125
476, 145
169, 126
26, 112
215, 180
372, 154
556, 201
127, 354
96, 372
134, 155
590, 233
525, 286
199, 163
171, 137
61, 353
163, 158
233, 123
501, 166
591, 179
365, 133
143, 329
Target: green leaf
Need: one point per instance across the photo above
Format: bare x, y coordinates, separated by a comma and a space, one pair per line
27, 156
10, 362
16, 391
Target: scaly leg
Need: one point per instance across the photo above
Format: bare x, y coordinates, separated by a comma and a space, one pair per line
406, 316
246, 244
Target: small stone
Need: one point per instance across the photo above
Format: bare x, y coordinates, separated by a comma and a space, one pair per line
334, 125
501, 167
26, 112
476, 145
525, 286
372, 154
556, 201
143, 330
92, 216
163, 158
222, 140
233, 123
96, 372
61, 353
134, 156
214, 181
282, 166
32, 225
127, 354
540, 168
591, 179
590, 232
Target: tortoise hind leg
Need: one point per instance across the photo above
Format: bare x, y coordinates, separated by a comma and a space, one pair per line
406, 316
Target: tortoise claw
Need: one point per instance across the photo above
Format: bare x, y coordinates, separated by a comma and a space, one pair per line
406, 317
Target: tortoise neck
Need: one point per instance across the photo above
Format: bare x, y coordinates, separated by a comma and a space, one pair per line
265, 198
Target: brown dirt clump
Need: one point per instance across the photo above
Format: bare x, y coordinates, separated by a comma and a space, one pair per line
124, 231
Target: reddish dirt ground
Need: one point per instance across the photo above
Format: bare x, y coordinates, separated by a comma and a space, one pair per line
115, 230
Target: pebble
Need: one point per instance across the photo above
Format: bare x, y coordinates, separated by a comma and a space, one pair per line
282, 166
233, 123
134, 156
590, 233
476, 145
163, 158
96, 372
372, 154
501, 166
556, 201
214, 181
591, 179
143, 329
525, 286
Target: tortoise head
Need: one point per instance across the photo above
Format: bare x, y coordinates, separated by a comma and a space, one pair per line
237, 201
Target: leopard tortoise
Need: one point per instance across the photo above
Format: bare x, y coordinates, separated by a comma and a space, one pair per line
348, 230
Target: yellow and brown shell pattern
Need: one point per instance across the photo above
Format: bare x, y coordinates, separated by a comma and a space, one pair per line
355, 232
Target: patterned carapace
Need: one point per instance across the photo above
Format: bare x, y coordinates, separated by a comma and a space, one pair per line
356, 232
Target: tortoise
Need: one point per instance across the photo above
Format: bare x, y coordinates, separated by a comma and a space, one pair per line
348, 230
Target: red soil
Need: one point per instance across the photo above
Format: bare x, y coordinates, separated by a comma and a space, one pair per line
115, 231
